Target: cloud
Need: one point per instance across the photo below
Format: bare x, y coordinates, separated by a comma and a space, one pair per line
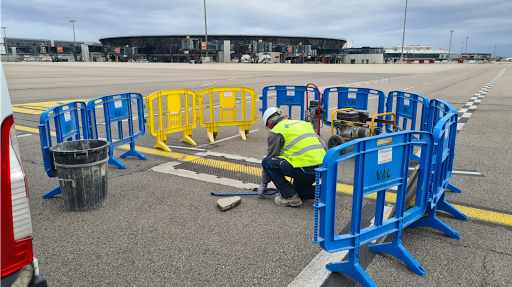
367, 22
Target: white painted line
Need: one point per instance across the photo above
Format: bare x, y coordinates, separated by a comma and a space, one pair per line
459, 126
225, 139
466, 115
315, 273
186, 147
472, 108
409, 88
466, 172
478, 100
426, 84
230, 156
438, 80
462, 110
25, 135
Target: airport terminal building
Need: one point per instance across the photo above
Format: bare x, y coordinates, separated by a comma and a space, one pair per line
223, 48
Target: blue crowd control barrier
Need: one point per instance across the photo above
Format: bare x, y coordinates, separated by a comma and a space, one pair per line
381, 163
444, 143
406, 109
116, 110
291, 96
64, 122
439, 109
351, 97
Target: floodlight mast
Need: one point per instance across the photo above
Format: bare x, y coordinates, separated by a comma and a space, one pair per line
5, 44
74, 39
205, 30
403, 36
449, 48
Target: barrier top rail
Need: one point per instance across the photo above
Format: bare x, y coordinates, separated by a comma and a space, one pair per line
407, 106
69, 122
438, 109
288, 95
353, 97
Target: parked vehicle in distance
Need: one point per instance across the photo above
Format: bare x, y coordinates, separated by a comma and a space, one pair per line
18, 262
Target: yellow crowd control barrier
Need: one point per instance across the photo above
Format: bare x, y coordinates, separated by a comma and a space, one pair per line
177, 106
228, 112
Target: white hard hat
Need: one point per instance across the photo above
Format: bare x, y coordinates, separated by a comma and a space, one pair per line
269, 112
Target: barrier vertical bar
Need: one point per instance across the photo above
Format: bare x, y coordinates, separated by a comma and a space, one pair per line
291, 96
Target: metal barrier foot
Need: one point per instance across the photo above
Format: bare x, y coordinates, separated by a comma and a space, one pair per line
436, 223
401, 253
353, 270
52, 193
134, 153
117, 163
163, 146
453, 188
445, 206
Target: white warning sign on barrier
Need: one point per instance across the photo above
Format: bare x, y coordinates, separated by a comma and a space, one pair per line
352, 95
290, 93
385, 155
118, 104
67, 116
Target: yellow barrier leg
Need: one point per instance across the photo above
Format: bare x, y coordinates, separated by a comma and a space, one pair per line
161, 142
212, 133
244, 130
187, 138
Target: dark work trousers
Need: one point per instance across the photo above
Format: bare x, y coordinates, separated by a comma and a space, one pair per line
303, 177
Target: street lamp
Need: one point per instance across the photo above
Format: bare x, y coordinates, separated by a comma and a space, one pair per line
74, 39
461, 48
403, 36
495, 51
205, 29
449, 47
5, 44
466, 51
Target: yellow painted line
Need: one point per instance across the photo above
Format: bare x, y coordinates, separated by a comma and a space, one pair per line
474, 213
247, 76
209, 84
38, 108
485, 215
232, 79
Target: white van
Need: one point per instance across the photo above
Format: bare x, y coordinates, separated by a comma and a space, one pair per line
18, 262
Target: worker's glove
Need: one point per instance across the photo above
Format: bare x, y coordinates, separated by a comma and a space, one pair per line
261, 189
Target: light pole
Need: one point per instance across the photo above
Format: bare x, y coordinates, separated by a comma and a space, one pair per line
461, 49
5, 44
449, 47
466, 51
403, 36
495, 51
205, 29
74, 39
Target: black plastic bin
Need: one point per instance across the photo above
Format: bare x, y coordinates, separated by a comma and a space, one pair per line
82, 167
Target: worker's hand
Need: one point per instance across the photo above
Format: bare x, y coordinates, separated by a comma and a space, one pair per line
261, 189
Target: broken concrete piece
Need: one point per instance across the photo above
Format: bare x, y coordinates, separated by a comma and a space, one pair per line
228, 202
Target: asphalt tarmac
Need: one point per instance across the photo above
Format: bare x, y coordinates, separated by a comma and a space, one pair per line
161, 229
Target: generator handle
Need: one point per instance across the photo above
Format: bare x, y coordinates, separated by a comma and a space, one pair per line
332, 118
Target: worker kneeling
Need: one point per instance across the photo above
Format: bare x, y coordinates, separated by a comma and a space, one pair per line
294, 150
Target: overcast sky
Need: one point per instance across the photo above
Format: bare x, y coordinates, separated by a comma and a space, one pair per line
366, 22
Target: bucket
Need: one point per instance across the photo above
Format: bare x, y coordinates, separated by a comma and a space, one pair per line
82, 168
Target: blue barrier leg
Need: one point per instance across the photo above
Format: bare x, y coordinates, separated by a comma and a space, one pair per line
396, 249
117, 163
133, 152
52, 193
353, 270
453, 188
433, 222
446, 207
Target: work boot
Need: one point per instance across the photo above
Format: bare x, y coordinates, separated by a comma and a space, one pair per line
292, 201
